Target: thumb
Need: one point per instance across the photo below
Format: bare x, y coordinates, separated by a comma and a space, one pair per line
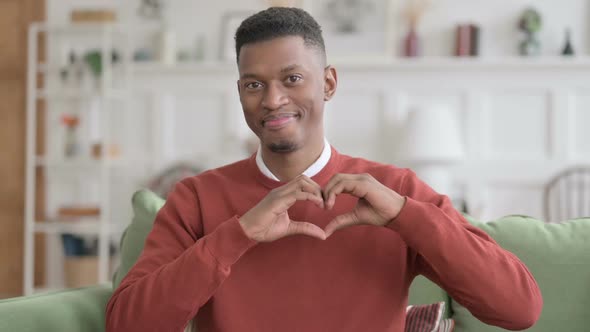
305, 228
341, 221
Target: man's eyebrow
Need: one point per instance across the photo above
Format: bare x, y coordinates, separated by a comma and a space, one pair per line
248, 75
283, 70
290, 68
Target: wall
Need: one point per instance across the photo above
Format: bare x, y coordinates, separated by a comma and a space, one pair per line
521, 121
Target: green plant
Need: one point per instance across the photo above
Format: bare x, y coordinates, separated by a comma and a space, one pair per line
530, 21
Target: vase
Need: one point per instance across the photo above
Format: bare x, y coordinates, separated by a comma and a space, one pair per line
530, 46
71, 146
568, 48
411, 43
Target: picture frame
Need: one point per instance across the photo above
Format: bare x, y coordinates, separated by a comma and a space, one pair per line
230, 21
360, 30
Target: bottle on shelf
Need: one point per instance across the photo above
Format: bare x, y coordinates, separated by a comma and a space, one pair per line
71, 143
568, 48
167, 46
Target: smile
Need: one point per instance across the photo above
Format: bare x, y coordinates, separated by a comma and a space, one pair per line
278, 121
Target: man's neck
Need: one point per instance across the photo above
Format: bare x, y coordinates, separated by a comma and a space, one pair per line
287, 166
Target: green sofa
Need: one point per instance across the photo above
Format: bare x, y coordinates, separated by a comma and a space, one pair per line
558, 255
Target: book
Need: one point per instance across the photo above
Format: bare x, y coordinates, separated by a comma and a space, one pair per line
93, 16
467, 40
463, 40
473, 40
76, 211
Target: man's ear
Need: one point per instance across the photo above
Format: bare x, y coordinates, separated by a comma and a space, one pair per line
330, 82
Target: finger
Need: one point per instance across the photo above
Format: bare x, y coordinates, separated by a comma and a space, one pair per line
300, 182
289, 199
305, 228
333, 180
354, 187
336, 179
305, 184
312, 185
305, 196
341, 221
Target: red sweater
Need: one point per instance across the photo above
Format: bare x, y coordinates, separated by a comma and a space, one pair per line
198, 262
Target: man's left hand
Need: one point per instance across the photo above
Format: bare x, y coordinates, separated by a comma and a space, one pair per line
377, 204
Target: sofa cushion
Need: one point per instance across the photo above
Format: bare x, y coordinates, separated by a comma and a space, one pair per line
81, 309
426, 318
424, 291
558, 256
146, 205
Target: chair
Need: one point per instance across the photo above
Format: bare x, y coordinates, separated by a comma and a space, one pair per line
567, 195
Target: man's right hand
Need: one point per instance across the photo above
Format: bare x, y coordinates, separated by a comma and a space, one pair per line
269, 221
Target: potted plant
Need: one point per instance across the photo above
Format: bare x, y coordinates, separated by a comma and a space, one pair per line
530, 23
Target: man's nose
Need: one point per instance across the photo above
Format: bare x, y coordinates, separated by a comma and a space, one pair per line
275, 97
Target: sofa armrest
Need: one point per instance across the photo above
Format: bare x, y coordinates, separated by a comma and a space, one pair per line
75, 310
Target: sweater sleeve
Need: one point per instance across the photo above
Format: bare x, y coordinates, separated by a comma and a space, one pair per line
178, 271
492, 283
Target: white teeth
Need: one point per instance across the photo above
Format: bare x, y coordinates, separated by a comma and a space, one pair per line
280, 117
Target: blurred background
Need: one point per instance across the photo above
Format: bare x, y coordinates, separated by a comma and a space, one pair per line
486, 100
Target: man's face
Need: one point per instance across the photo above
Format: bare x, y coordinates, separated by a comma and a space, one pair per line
283, 86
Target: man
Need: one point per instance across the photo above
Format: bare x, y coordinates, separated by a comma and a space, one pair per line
266, 244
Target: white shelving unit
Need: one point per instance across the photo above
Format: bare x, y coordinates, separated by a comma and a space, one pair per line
59, 169
458, 64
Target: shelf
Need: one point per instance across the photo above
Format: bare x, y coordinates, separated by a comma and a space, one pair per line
54, 69
154, 67
86, 27
80, 94
387, 63
452, 62
82, 163
44, 68
76, 227
107, 174
87, 226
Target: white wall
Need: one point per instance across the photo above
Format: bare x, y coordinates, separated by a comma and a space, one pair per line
521, 121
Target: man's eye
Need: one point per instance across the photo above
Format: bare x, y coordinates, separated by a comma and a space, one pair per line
294, 78
253, 85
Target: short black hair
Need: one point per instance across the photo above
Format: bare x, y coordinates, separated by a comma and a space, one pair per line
275, 22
